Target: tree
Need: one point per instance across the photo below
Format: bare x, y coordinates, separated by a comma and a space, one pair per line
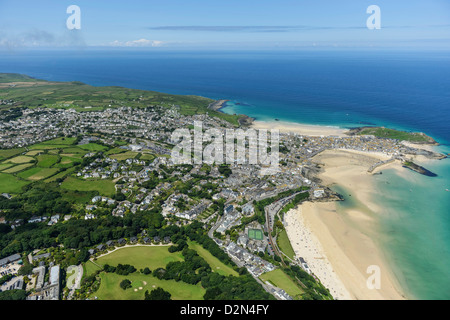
157, 294
125, 284
147, 271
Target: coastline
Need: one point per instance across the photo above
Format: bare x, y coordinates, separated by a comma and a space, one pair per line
339, 242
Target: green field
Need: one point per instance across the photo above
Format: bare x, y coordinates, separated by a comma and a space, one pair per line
83, 97
37, 173
104, 187
93, 147
47, 160
18, 168
8, 153
281, 280
216, 265
60, 175
11, 184
141, 257
4, 166
34, 152
124, 156
147, 157
255, 234
110, 287
19, 160
61, 141
285, 245
89, 268
75, 150
396, 134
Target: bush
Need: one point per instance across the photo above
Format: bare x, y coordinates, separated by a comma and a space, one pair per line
157, 294
125, 284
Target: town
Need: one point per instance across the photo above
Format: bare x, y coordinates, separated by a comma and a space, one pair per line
241, 209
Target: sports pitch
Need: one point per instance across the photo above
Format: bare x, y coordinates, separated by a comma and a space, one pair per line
255, 234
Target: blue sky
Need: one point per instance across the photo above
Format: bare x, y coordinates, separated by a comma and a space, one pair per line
225, 24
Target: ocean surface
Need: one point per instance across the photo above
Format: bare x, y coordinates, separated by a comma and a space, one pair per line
398, 89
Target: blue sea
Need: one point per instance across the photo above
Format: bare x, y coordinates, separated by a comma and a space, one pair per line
398, 89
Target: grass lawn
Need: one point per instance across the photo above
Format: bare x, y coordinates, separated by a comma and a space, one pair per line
89, 268
141, 257
11, 184
104, 187
285, 245
216, 265
47, 160
36, 173
281, 280
110, 287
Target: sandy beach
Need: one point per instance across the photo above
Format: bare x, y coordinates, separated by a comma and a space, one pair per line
338, 243
303, 129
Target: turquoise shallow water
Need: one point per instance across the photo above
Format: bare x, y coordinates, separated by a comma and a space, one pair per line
415, 228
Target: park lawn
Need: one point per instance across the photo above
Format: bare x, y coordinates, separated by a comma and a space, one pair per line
110, 287
19, 160
124, 156
141, 257
104, 187
285, 245
47, 160
36, 173
215, 264
18, 168
8, 153
93, 147
11, 184
281, 280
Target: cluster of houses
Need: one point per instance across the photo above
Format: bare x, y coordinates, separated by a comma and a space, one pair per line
110, 244
254, 264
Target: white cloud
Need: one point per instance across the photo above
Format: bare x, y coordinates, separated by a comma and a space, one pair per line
138, 43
